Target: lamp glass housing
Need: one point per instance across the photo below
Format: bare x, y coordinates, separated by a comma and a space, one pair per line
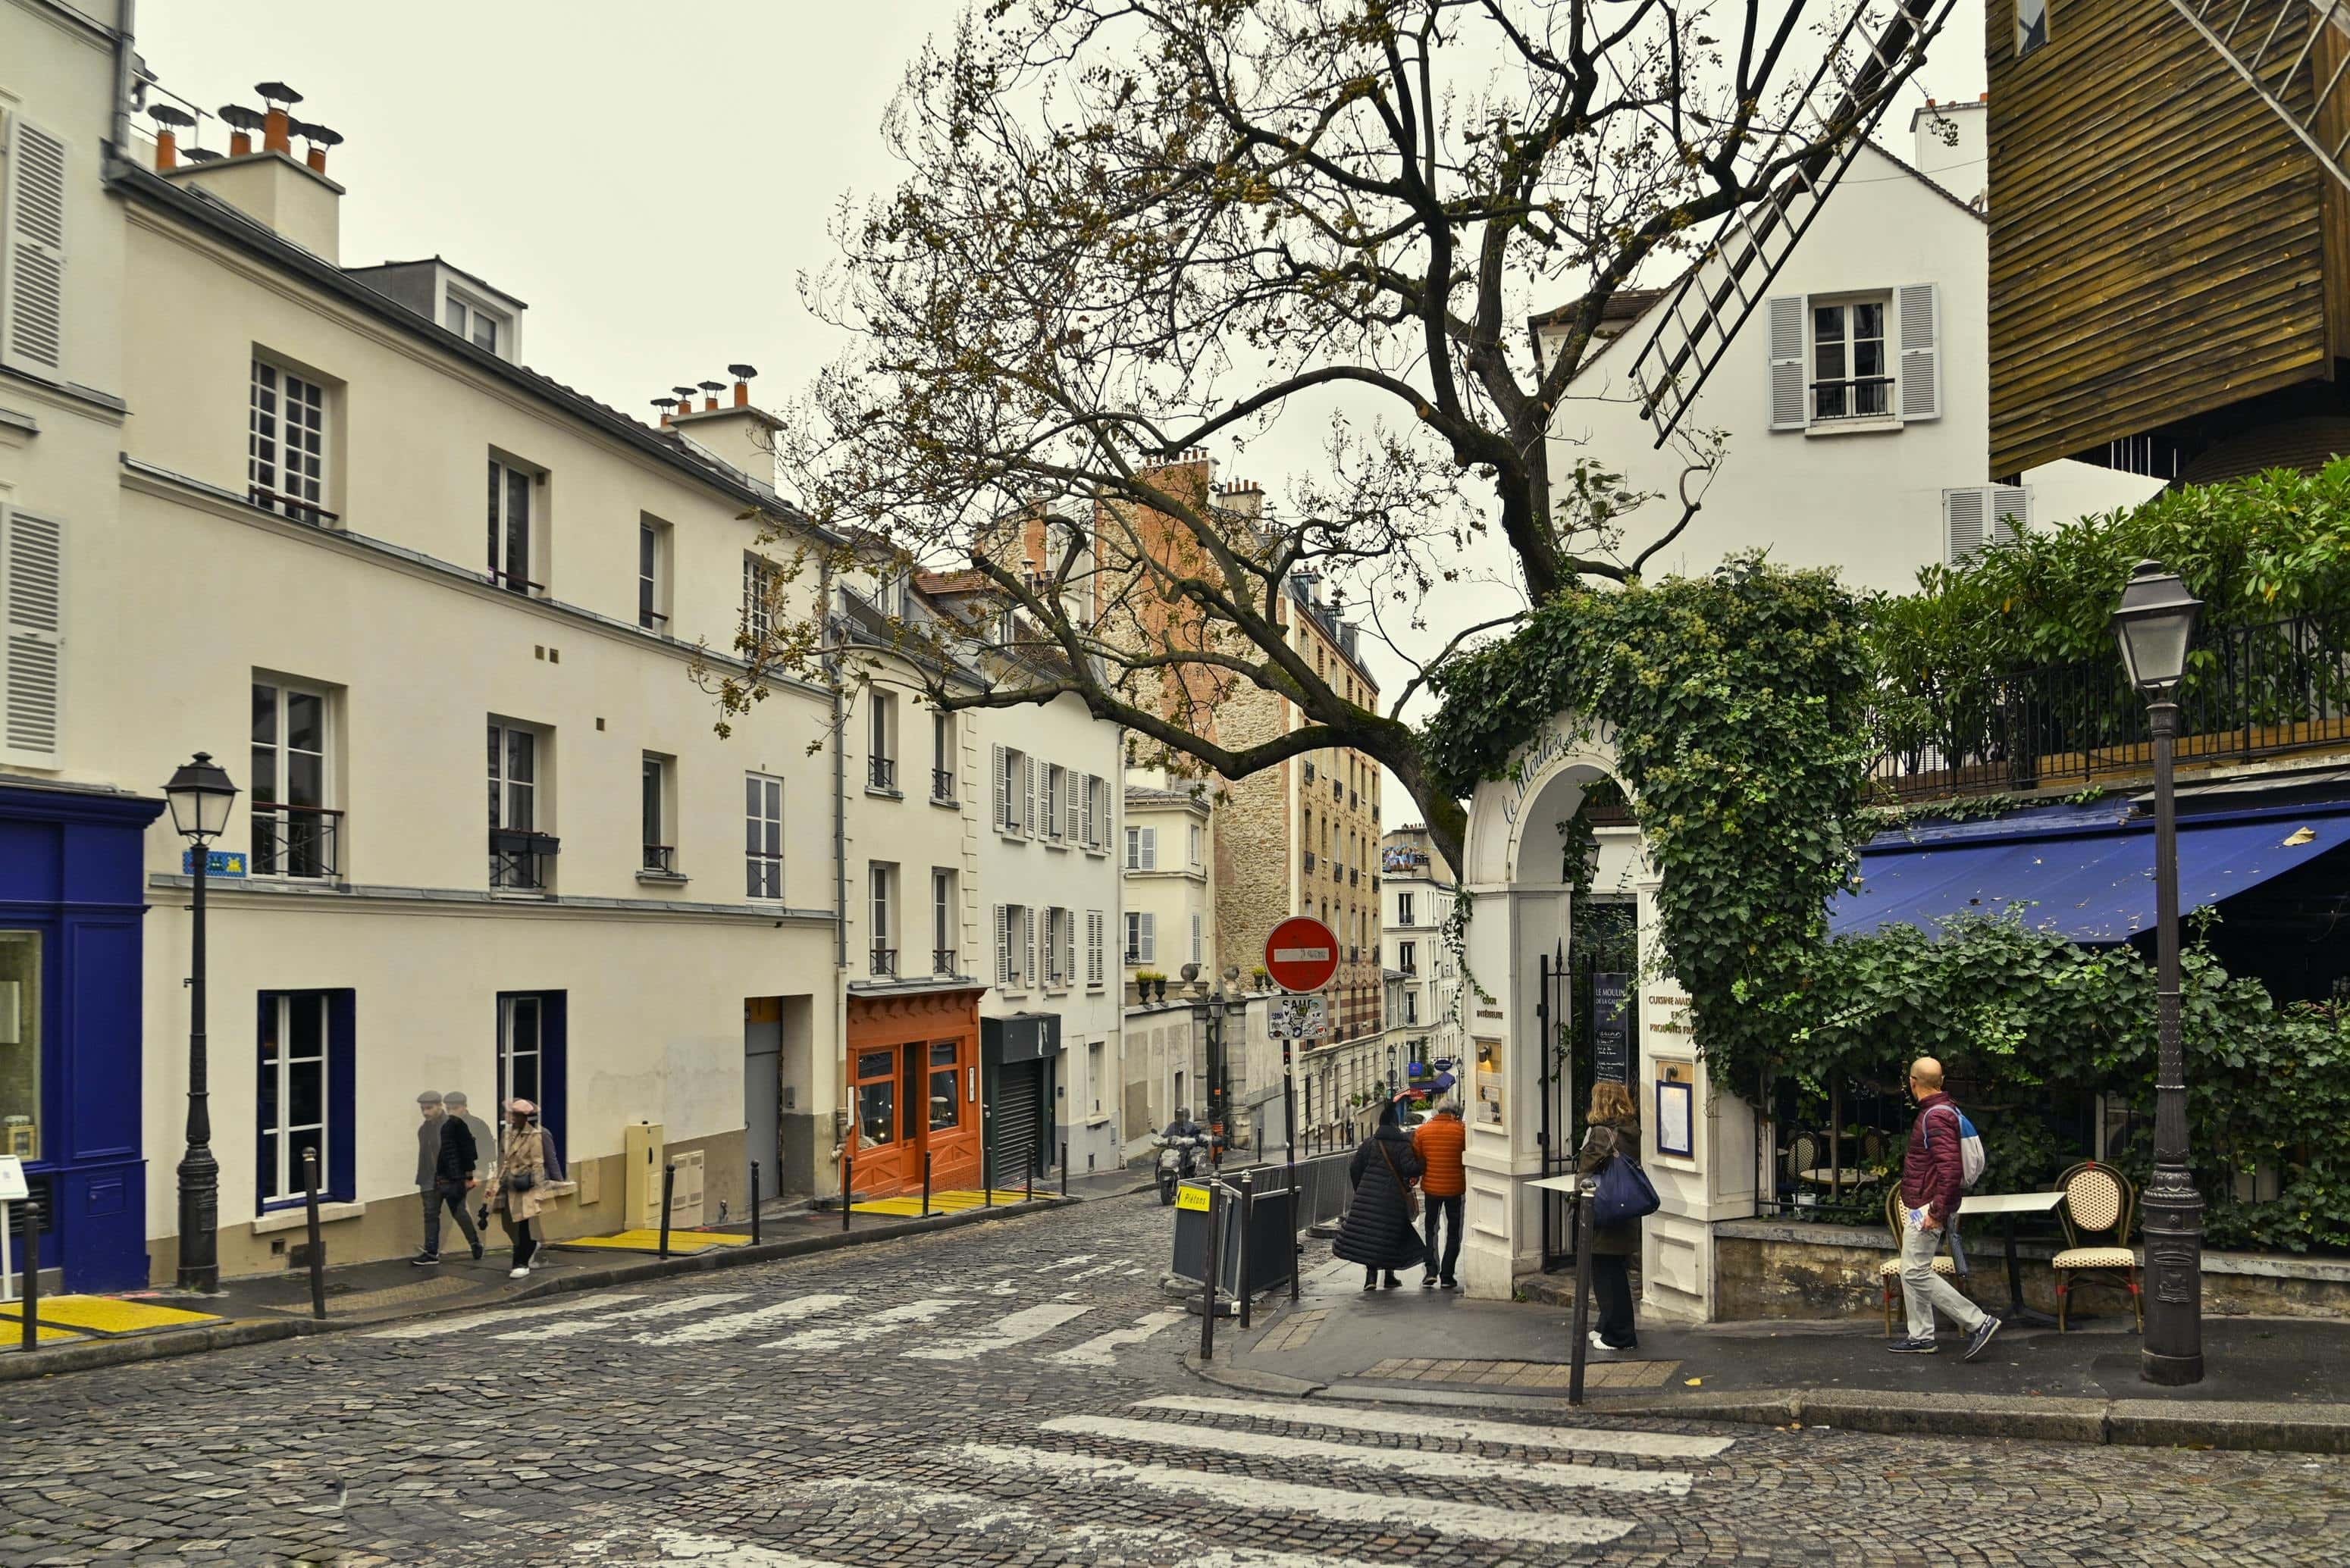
2155, 625
200, 795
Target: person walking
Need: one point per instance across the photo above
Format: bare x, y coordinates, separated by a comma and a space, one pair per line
456, 1159
1445, 1185
1933, 1185
518, 1187
1378, 1231
1612, 1133
485, 1140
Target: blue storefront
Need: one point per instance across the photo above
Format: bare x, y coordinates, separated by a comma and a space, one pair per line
71, 902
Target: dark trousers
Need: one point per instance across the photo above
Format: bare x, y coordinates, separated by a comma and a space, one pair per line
1611, 1283
518, 1232
452, 1193
1447, 1209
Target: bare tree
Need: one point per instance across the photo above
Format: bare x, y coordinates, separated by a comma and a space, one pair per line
1134, 228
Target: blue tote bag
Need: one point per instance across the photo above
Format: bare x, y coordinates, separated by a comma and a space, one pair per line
1625, 1193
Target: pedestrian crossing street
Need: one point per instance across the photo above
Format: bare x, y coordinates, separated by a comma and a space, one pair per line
1254, 1490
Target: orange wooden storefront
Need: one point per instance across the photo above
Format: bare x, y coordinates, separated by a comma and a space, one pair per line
913, 1090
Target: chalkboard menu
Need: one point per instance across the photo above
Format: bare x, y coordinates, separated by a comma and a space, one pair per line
1611, 1028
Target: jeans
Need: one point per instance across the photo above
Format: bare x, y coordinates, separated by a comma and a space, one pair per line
1923, 1290
1611, 1283
452, 1193
1449, 1211
518, 1231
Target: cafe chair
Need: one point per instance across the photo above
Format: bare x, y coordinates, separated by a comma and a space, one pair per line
1888, 1272
2097, 1203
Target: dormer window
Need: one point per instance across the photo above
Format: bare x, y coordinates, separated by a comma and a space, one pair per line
476, 322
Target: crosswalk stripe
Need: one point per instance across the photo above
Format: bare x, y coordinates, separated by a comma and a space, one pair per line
970, 1511
873, 1327
1101, 1350
1587, 1440
684, 1546
429, 1328
1004, 1332
728, 1324
572, 1327
1089, 1273
1346, 1457
1443, 1516
1067, 1262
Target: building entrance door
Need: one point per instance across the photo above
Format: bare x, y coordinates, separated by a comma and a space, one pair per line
914, 1100
762, 1111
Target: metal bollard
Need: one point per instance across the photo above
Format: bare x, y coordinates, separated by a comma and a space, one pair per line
1064, 1167
847, 1182
1028, 1188
926, 1184
1248, 1217
317, 1253
669, 1186
754, 1203
28, 1295
1213, 1258
986, 1174
1582, 1320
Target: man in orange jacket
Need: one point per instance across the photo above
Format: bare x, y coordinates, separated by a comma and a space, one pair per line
1439, 1141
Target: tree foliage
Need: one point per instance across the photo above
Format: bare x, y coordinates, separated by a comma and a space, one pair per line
1134, 228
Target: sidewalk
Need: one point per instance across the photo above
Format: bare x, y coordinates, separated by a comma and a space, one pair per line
2273, 1382
77, 1332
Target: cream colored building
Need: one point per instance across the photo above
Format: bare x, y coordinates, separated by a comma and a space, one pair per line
1169, 855
436, 614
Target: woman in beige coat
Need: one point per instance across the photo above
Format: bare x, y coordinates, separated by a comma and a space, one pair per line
518, 1187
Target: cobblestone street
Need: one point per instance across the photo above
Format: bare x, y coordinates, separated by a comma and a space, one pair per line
1010, 1394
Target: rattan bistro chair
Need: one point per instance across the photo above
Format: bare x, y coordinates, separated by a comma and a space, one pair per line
2097, 1203
1888, 1272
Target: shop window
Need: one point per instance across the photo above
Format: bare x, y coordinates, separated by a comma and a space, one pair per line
946, 1105
531, 1055
303, 1098
877, 1099
20, 1045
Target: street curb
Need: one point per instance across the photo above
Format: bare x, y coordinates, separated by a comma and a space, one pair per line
2257, 1427
90, 1354
95, 1354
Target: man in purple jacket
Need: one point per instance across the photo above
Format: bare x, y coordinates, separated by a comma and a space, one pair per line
1933, 1185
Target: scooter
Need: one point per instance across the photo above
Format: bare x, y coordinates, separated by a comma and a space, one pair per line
1178, 1158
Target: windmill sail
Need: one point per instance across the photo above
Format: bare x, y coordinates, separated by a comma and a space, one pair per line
2269, 42
1705, 310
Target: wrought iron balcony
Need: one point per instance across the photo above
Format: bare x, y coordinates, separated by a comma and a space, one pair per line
943, 960
885, 962
882, 773
661, 858
942, 784
521, 860
2250, 692
297, 841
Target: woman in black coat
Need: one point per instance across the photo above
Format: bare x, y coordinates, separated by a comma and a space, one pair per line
1378, 1231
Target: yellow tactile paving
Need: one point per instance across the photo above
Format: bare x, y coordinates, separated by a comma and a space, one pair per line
13, 1338
108, 1315
940, 1202
650, 1240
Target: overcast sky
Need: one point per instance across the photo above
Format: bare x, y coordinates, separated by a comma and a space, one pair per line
651, 176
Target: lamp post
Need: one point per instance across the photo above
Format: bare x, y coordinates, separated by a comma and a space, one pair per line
2154, 626
200, 793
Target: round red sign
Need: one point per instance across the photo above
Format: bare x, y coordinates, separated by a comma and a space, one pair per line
1301, 954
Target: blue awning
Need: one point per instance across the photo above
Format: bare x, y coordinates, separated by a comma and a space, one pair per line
2092, 888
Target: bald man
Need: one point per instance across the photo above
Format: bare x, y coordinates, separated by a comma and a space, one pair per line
1933, 1184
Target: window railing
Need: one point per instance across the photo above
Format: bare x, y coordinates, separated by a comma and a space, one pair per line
1852, 398
512, 584
942, 784
943, 960
885, 962
651, 620
2250, 692
661, 858
297, 841
882, 773
520, 860
293, 506
1309, 860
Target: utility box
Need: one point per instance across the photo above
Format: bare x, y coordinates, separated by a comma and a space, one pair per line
642, 1146
685, 1194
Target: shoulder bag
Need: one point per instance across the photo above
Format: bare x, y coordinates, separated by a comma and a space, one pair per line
1410, 1193
1625, 1192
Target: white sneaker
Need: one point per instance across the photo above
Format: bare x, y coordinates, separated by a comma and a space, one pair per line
1600, 1345
522, 1273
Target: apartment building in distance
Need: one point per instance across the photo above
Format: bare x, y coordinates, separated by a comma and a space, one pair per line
435, 614
1418, 889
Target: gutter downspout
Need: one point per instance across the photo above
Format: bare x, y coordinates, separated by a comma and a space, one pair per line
125, 33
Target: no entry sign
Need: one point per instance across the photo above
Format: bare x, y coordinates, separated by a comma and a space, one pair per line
1301, 954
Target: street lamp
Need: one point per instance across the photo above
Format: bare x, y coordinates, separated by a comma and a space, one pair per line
2154, 625
200, 794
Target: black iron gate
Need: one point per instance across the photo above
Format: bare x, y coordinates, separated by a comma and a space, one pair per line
1555, 1091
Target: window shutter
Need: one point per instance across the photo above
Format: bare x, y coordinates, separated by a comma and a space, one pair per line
1962, 523
32, 311
1069, 947
2009, 516
1003, 786
1091, 783
1028, 943
1002, 945
1093, 946
1072, 813
1148, 949
32, 621
1150, 849
1921, 352
1786, 335
1028, 791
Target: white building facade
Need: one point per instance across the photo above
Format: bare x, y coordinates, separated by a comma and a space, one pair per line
1418, 890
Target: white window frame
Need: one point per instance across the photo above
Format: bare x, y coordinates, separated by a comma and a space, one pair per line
467, 317
288, 1177
1403, 909
1142, 849
285, 427
282, 752
503, 784
656, 775
1142, 937
1052, 948
2026, 46
943, 759
1056, 795
507, 1054
881, 740
880, 883
655, 539
501, 521
1407, 957
1199, 845
1885, 387
943, 924
762, 810
759, 577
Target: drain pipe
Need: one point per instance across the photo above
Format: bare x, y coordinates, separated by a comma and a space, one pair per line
125, 51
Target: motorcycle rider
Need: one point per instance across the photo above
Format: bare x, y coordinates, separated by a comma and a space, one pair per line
1184, 1126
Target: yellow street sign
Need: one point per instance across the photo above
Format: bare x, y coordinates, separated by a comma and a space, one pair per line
1192, 1197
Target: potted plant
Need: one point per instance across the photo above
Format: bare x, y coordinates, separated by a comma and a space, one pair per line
1263, 977
1149, 980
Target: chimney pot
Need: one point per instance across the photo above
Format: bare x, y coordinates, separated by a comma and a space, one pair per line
710, 390
168, 118
318, 159
277, 133
242, 123
240, 143
664, 405
742, 374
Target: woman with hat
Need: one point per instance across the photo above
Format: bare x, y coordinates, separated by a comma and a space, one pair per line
518, 1187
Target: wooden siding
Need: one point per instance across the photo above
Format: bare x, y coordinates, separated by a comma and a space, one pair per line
2157, 234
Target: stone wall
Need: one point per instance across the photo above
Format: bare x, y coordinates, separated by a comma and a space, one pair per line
1787, 1269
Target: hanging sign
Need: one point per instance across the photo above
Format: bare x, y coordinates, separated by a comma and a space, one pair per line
1301, 954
